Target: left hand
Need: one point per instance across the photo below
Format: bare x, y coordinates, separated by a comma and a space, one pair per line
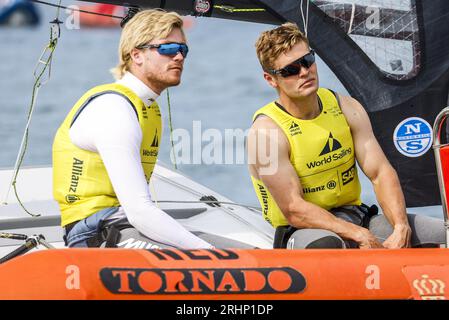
400, 238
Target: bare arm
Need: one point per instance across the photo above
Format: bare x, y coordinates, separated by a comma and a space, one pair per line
284, 185
377, 168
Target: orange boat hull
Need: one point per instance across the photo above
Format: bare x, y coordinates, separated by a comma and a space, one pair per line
227, 274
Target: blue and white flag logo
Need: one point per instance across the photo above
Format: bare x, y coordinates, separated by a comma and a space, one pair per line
413, 137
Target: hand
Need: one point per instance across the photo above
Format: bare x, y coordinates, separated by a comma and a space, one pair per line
400, 238
367, 240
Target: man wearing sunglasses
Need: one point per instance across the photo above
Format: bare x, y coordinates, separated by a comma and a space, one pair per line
303, 149
105, 150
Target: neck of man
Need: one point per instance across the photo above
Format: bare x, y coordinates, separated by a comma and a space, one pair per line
305, 108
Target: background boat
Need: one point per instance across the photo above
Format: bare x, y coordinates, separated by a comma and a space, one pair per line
18, 13
99, 21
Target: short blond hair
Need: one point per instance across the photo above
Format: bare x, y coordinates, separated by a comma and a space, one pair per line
272, 43
144, 27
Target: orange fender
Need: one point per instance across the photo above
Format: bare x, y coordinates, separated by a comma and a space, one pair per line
227, 274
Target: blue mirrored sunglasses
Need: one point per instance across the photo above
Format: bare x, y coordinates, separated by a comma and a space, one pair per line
168, 49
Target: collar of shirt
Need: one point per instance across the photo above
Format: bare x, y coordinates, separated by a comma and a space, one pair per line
147, 95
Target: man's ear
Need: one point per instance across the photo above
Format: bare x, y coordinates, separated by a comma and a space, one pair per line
137, 56
270, 79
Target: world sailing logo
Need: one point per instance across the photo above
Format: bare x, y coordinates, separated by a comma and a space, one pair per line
331, 145
413, 137
295, 129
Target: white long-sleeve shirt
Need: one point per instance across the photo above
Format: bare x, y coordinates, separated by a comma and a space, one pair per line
109, 126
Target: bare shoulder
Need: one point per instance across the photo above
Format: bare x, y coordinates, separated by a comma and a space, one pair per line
265, 127
350, 106
353, 110
266, 143
264, 122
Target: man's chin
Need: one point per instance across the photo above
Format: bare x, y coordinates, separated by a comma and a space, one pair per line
306, 92
173, 82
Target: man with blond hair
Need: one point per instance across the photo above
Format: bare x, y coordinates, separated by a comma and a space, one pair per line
105, 150
312, 137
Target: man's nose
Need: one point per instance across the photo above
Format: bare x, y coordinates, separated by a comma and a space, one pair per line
178, 56
304, 72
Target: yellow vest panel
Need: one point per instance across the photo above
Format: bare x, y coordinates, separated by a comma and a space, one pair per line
81, 184
322, 153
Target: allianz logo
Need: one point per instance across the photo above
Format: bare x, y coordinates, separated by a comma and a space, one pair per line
313, 189
328, 159
77, 172
264, 195
329, 185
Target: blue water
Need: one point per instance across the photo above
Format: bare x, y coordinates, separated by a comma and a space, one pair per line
222, 86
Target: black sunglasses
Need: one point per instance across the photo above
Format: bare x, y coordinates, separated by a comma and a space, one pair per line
295, 67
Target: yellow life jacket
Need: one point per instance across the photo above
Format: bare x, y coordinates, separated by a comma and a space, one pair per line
322, 153
81, 184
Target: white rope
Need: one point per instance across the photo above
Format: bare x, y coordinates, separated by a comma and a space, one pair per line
305, 18
352, 18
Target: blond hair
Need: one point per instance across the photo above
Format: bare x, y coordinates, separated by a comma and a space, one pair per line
144, 27
272, 43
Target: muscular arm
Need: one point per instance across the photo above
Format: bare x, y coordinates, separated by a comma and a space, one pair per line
284, 185
109, 126
375, 165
